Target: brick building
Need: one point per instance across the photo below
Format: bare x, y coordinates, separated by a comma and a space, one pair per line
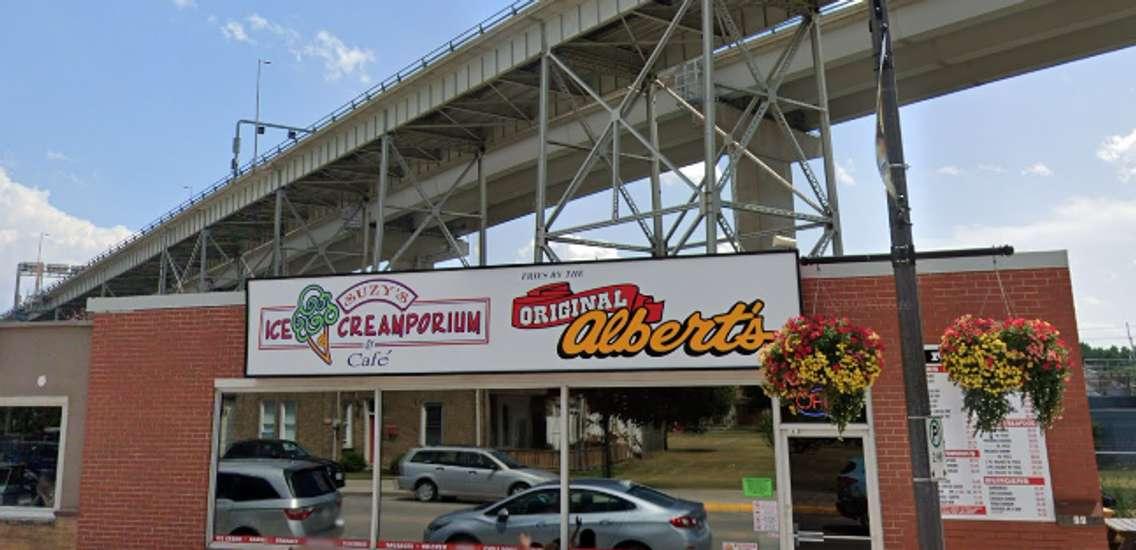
157, 363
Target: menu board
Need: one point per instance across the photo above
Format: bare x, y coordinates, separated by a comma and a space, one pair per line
999, 476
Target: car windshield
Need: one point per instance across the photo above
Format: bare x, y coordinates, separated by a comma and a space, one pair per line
507, 460
293, 450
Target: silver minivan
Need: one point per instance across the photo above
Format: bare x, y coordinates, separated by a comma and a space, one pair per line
467, 472
276, 497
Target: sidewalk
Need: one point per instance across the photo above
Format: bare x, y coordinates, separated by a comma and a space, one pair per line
715, 500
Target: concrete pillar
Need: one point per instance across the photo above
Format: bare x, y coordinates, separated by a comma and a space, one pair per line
755, 185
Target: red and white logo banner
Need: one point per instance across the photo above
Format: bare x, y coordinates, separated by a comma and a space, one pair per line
555, 304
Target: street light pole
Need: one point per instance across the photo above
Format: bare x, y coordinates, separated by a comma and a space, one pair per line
256, 128
889, 151
39, 263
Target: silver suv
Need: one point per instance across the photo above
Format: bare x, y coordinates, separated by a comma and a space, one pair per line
275, 497
468, 472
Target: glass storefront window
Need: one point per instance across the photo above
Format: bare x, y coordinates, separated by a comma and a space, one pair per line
675, 462
29, 455
469, 466
284, 473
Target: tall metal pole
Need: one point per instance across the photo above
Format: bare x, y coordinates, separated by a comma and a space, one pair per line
256, 126
539, 237
826, 137
565, 541
709, 184
381, 198
162, 268
930, 524
39, 264
659, 246
376, 469
202, 279
483, 220
277, 232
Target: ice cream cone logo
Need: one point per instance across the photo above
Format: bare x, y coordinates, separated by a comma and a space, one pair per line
311, 321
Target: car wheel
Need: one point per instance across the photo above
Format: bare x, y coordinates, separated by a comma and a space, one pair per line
518, 488
425, 491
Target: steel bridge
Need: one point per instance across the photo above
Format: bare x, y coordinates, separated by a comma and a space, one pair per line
550, 101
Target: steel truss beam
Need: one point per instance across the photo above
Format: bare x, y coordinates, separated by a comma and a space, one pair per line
559, 74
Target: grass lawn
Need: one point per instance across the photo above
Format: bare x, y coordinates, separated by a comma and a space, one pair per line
712, 460
1121, 484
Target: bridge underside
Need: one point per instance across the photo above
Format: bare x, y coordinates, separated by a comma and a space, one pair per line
613, 110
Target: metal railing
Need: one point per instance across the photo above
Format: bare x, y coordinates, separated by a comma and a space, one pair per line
438, 53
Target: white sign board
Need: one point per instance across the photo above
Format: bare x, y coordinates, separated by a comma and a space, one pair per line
680, 313
998, 476
936, 448
765, 516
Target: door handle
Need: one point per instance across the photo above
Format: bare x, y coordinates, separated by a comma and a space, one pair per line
440, 469
473, 472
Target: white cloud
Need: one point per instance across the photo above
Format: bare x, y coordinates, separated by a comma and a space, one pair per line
339, 59
183, 4
992, 168
25, 212
694, 172
570, 252
235, 31
256, 22
949, 170
845, 173
1037, 169
1121, 152
1097, 232
56, 155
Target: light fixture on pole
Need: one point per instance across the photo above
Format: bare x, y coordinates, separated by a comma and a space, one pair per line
257, 128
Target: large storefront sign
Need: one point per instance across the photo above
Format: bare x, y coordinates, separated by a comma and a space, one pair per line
1003, 475
705, 312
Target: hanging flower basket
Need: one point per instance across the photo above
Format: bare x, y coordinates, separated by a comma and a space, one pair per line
826, 355
992, 360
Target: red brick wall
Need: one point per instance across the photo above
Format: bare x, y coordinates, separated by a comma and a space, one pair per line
1040, 293
146, 455
150, 400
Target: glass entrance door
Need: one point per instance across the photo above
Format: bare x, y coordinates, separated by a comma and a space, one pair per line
829, 492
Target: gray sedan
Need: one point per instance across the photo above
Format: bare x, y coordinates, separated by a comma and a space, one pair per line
604, 513
468, 472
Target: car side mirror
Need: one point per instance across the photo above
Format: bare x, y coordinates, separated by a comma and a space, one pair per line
503, 515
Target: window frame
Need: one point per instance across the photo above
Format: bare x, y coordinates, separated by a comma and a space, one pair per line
61, 401
422, 435
273, 406
348, 427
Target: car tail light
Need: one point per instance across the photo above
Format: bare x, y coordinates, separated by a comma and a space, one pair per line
685, 522
299, 514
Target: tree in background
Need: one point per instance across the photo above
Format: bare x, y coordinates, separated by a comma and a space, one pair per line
1111, 352
691, 409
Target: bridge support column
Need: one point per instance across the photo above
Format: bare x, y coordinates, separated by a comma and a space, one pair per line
753, 185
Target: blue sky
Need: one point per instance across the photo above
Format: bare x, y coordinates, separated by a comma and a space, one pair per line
112, 116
